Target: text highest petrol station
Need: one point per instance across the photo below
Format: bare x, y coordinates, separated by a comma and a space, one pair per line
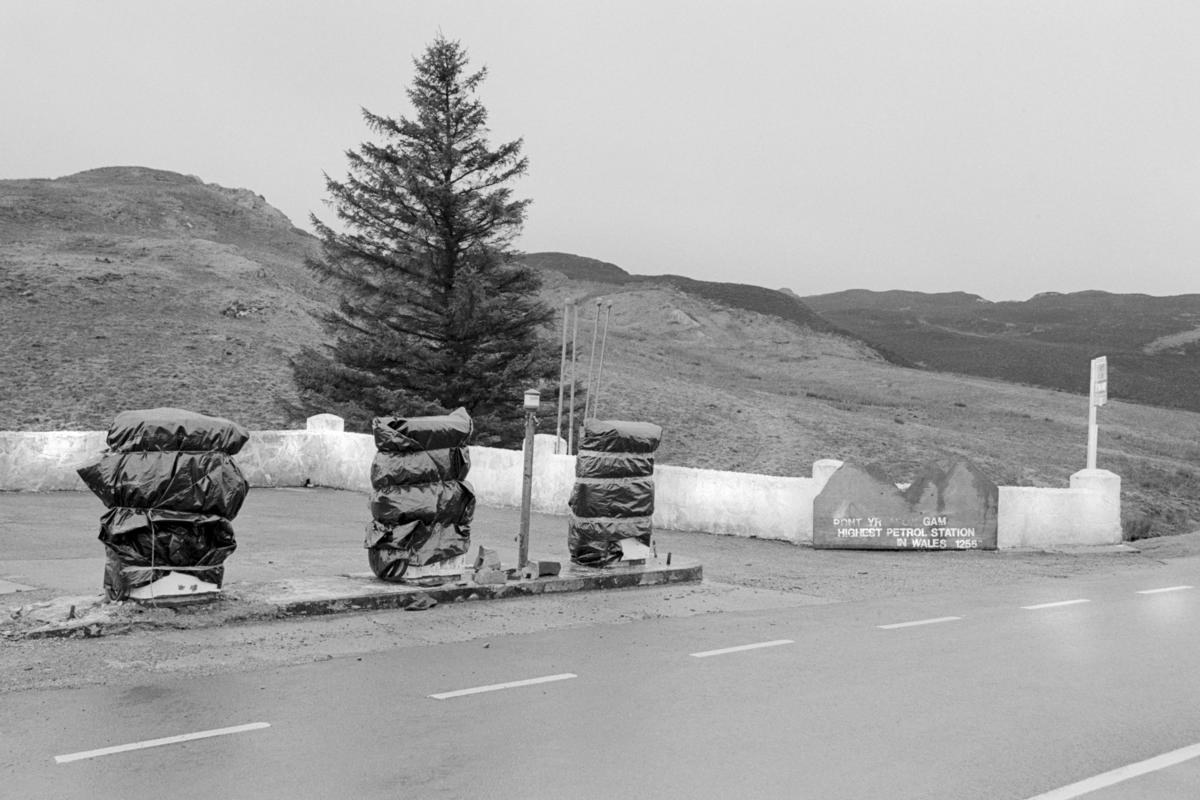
945, 508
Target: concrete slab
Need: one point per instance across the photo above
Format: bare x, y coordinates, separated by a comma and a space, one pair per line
299, 553
86, 617
49, 539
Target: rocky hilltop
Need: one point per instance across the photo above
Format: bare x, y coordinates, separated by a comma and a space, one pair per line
128, 287
136, 201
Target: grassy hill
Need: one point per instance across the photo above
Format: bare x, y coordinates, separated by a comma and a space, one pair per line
126, 287
130, 287
1152, 343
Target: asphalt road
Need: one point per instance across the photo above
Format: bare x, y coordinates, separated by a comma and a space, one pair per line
1008, 692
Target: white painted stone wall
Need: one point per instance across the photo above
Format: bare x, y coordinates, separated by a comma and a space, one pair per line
1087, 513
710, 501
731, 503
44, 461
496, 476
734, 503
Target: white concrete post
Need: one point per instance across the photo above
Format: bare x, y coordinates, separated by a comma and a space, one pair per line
326, 423
1102, 513
822, 471
321, 452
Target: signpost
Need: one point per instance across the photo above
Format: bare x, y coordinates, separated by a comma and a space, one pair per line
532, 402
1098, 396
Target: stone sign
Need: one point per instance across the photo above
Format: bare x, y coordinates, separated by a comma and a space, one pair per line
950, 507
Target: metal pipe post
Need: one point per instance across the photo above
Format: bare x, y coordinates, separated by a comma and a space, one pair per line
562, 368
532, 400
587, 400
574, 362
600, 370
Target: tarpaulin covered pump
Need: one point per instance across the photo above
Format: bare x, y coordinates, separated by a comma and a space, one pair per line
171, 488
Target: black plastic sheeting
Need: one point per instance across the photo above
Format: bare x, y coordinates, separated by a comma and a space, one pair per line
415, 434
597, 542
423, 503
616, 436
174, 429
416, 544
613, 465
201, 483
613, 496
421, 506
400, 469
172, 488
143, 545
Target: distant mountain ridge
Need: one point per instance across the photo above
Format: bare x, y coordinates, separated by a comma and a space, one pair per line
1152, 343
736, 295
897, 298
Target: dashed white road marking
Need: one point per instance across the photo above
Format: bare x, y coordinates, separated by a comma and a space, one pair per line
740, 648
187, 737
1164, 589
1121, 774
495, 687
1056, 605
914, 623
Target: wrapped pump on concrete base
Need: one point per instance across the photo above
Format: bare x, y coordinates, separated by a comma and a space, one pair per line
421, 504
171, 487
612, 502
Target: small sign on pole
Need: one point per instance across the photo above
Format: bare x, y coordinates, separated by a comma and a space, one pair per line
1097, 396
1100, 381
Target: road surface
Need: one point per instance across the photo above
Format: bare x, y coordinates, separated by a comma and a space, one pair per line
1056, 690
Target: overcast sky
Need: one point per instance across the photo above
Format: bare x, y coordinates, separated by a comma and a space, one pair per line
1003, 148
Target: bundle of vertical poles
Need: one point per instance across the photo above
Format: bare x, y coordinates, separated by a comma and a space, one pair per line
595, 372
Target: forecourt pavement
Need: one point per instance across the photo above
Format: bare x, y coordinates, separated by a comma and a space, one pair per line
1035, 690
299, 552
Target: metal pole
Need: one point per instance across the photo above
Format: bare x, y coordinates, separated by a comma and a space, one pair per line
600, 370
571, 410
562, 368
526, 491
532, 400
587, 400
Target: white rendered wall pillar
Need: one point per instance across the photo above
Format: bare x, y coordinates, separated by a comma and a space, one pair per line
822, 471
1101, 520
323, 452
326, 423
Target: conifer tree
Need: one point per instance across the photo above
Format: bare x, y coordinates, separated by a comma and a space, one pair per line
433, 313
